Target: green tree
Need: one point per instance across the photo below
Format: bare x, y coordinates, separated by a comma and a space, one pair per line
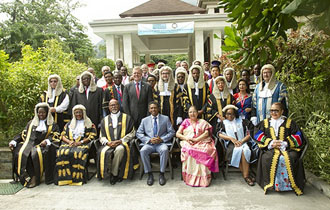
33, 21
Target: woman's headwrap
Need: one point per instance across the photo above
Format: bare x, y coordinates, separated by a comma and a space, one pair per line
171, 82
216, 91
191, 82
50, 119
87, 122
58, 88
272, 81
182, 71
92, 85
233, 83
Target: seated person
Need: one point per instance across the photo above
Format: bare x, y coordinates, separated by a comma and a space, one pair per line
72, 156
155, 131
31, 156
117, 130
241, 149
198, 154
280, 141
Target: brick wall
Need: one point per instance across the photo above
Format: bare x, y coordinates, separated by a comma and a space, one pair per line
5, 163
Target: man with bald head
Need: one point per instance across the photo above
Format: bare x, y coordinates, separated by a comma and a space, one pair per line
137, 95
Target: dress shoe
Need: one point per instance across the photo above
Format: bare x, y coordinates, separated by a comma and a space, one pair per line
113, 180
32, 183
162, 180
150, 180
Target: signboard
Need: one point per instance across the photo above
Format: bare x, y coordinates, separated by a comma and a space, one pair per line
166, 28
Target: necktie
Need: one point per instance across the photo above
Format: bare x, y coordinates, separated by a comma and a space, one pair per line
155, 127
137, 90
119, 95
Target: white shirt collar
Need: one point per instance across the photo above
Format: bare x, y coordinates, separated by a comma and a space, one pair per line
42, 126
79, 130
114, 118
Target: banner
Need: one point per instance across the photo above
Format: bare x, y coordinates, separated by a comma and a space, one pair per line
166, 28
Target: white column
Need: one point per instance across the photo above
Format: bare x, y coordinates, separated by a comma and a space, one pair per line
110, 46
215, 44
128, 51
117, 48
199, 45
147, 58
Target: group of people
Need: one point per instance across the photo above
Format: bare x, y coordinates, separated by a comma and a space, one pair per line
196, 105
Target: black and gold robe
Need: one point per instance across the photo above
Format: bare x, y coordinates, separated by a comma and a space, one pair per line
59, 118
31, 159
112, 93
71, 161
189, 98
129, 162
268, 159
214, 107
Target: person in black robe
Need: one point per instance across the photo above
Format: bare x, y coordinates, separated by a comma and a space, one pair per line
197, 91
90, 96
32, 153
72, 156
57, 99
170, 97
280, 141
116, 146
217, 101
152, 80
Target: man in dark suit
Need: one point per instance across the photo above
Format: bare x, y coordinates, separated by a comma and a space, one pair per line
155, 132
137, 95
113, 92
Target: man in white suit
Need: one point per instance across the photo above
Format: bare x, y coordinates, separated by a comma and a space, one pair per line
155, 132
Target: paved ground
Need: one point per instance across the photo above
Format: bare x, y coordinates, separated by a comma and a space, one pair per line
135, 194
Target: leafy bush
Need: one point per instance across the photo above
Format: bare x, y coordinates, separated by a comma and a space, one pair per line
97, 65
23, 82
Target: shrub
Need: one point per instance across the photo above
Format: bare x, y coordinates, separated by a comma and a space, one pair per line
97, 65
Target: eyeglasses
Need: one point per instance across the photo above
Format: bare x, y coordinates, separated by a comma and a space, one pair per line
52, 81
180, 76
165, 73
274, 111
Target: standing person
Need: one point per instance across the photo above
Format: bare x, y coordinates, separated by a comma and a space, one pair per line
198, 154
206, 67
240, 148
92, 71
101, 82
72, 156
57, 99
215, 72
31, 149
181, 77
231, 81
73, 88
160, 64
154, 132
145, 72
280, 141
217, 101
185, 65
197, 93
243, 100
151, 68
170, 96
124, 74
108, 76
113, 92
246, 76
266, 93
117, 132
137, 95
90, 96
152, 80
177, 64
119, 64
256, 77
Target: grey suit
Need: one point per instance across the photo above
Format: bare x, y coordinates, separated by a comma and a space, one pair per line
145, 133
137, 108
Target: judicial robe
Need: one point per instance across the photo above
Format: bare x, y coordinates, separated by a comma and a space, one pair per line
109, 93
268, 159
129, 163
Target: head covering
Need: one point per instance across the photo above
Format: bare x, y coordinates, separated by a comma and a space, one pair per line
160, 63
216, 91
272, 81
58, 88
152, 75
171, 82
215, 63
92, 85
151, 65
182, 71
191, 82
87, 122
233, 83
50, 119
197, 61
229, 106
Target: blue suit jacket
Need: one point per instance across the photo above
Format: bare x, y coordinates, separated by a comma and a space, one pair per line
165, 129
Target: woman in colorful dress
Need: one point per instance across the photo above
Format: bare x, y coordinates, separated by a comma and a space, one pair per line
280, 142
72, 155
243, 100
32, 155
198, 153
241, 149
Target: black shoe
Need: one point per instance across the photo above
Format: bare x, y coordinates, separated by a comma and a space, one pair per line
150, 180
113, 180
162, 180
